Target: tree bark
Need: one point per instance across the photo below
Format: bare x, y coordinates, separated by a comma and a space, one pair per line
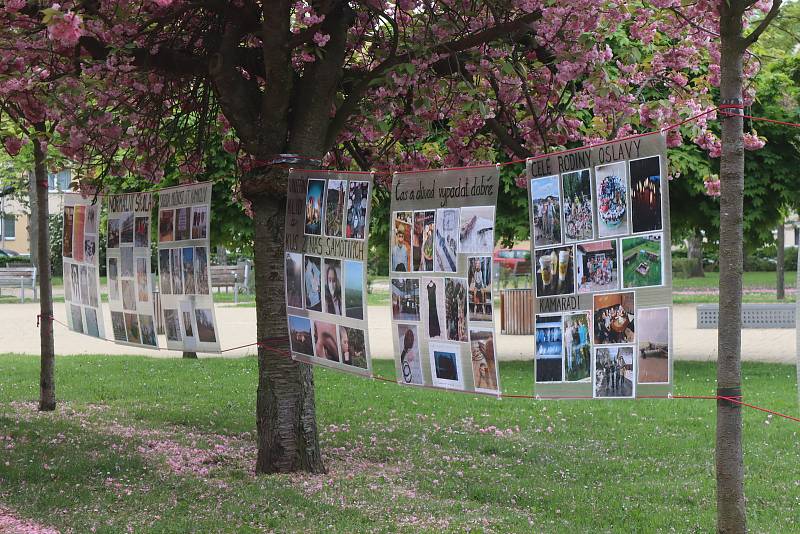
33, 225
694, 251
729, 458
285, 414
47, 383
780, 267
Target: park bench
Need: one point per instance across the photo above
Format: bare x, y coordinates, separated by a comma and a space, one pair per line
19, 277
231, 276
753, 316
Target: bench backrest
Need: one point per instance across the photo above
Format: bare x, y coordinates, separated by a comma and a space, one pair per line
18, 272
228, 275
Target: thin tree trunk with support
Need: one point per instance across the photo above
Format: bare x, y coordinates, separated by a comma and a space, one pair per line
694, 251
33, 225
780, 264
47, 383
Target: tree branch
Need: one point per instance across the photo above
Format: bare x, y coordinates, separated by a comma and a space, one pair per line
753, 36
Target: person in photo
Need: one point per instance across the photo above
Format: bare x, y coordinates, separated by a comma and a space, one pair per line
401, 248
357, 200
77, 318
446, 365
112, 240
177, 271
118, 326
653, 350
333, 287
294, 280
141, 232
69, 213
577, 206
201, 271
335, 199
75, 278
132, 328
90, 248
434, 310
577, 347
68, 284
476, 233
147, 330
613, 372
84, 284
92, 290
410, 361
312, 282
549, 349
92, 220
172, 325
143, 279
326, 344
188, 270
642, 261
614, 318
126, 228
164, 271
200, 222
314, 207
455, 304
484, 365
188, 326
546, 210
166, 226
205, 326
353, 347
126, 262
128, 295
646, 194
182, 224
612, 199
597, 266
300, 339
405, 299
445, 250
555, 271
479, 279
78, 233
354, 289
92, 328
422, 242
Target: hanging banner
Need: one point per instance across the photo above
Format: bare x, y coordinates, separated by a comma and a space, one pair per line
80, 260
327, 230
183, 266
441, 246
130, 292
602, 271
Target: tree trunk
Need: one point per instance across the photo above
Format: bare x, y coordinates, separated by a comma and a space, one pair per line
47, 384
780, 267
729, 458
33, 226
694, 251
222, 255
285, 412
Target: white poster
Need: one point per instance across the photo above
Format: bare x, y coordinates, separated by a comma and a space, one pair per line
327, 230
183, 265
441, 245
80, 260
130, 294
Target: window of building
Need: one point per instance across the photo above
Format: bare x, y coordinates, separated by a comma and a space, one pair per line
59, 181
8, 226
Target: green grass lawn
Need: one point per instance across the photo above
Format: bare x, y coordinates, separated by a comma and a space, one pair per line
168, 446
759, 279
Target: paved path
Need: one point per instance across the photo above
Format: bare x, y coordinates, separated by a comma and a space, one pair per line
18, 334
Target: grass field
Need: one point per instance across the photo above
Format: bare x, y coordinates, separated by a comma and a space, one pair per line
154, 445
632, 278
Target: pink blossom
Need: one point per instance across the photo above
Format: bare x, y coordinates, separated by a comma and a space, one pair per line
231, 146
65, 29
753, 142
163, 3
13, 145
321, 39
713, 186
14, 5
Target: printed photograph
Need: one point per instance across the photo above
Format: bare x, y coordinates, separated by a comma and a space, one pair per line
401, 241
354, 289
172, 325
126, 262
89, 248
141, 232
555, 271
476, 232
132, 328
69, 213
118, 326
91, 322
300, 339
642, 261
335, 200
410, 359
187, 320
312, 281
113, 271
357, 202
200, 222
177, 271
188, 270
68, 284
128, 295
614, 315
314, 194
113, 233
93, 294
75, 279
577, 206
294, 280
142, 279
612, 199
445, 361
577, 347
455, 308
646, 194
405, 299
84, 284
183, 218
479, 280
113, 289
653, 357
484, 364
147, 330
126, 227
201, 272
549, 347
333, 287
352, 344
166, 226
205, 325
92, 219
545, 207
613, 372
326, 343
78, 233
433, 310
77, 318
597, 266
445, 242
164, 272
422, 240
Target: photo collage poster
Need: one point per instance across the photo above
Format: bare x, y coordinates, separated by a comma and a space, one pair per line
602, 270
184, 214
81, 261
441, 246
130, 292
326, 240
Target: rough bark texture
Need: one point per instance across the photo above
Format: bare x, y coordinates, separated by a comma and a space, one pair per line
729, 458
694, 251
33, 225
780, 267
47, 383
285, 414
